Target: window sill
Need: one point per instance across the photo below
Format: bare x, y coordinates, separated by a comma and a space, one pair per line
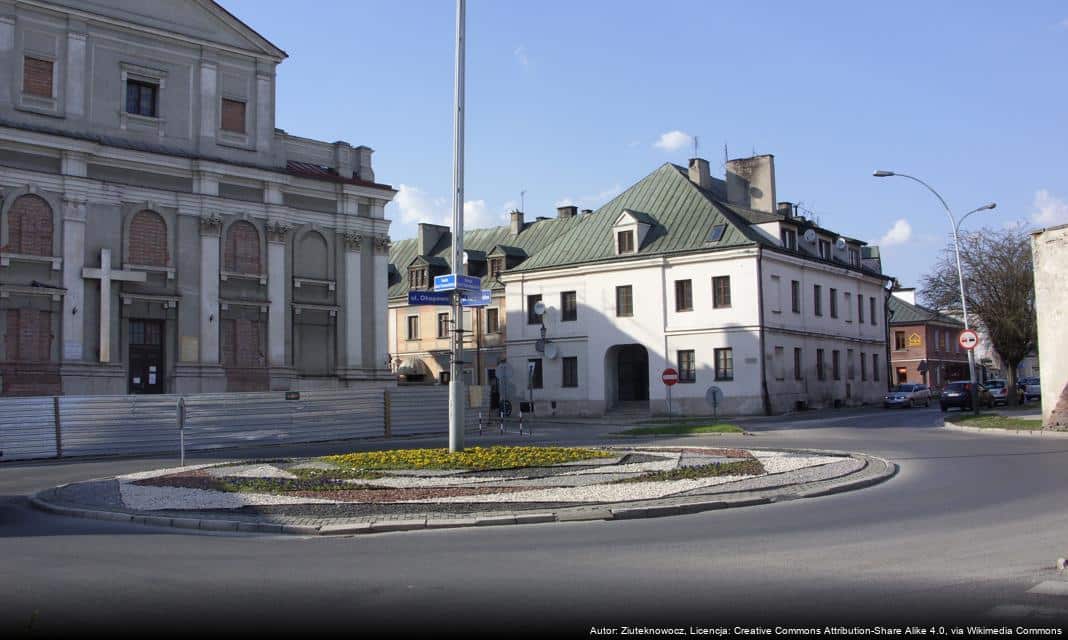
234, 139
330, 285
227, 275
145, 267
40, 105
6, 258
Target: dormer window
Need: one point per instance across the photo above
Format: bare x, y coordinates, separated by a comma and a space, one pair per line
825, 249
854, 257
789, 239
417, 278
496, 267
625, 242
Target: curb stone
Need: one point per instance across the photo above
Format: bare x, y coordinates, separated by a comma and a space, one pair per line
1027, 433
862, 478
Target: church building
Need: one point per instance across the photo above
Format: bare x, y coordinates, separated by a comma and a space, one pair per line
158, 234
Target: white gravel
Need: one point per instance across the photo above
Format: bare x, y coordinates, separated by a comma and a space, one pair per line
155, 498
670, 461
251, 471
155, 473
597, 493
781, 461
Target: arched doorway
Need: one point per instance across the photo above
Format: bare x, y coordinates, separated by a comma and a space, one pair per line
627, 374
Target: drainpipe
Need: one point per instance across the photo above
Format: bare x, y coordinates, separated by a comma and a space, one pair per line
760, 318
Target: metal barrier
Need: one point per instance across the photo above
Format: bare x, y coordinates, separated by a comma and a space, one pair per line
27, 428
109, 425
424, 411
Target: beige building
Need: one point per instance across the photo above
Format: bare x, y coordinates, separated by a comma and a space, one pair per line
1049, 248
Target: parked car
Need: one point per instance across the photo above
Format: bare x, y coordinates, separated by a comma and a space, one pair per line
959, 395
999, 390
907, 395
1033, 389
1022, 384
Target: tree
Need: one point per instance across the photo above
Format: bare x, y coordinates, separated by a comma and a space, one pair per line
999, 288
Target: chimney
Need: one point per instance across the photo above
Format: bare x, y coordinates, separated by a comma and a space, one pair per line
786, 209
516, 222
566, 212
751, 182
429, 236
587, 211
699, 174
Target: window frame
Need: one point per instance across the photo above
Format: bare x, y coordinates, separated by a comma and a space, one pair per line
687, 374
629, 290
798, 363
832, 297
817, 300
788, 237
413, 335
569, 374
629, 248
836, 364
533, 318
821, 374
51, 80
443, 325
871, 316
495, 326
142, 84
683, 295
568, 306
727, 371
537, 380
244, 115
795, 296
721, 295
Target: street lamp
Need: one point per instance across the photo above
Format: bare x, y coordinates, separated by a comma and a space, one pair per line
960, 274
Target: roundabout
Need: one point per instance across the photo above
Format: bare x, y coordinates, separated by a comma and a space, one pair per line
400, 490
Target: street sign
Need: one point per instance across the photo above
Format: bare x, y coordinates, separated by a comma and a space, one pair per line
670, 376
968, 339
429, 297
714, 396
454, 281
479, 298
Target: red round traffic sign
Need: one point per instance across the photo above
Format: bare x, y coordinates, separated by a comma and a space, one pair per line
968, 339
670, 376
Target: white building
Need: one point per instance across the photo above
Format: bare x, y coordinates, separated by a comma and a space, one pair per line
1049, 248
710, 277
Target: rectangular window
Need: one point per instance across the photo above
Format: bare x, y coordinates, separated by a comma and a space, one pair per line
413, 327
817, 299
851, 371
496, 267
825, 249
780, 363
776, 294
568, 306
848, 303
899, 341
624, 301
875, 367
863, 367
625, 242
834, 302
872, 314
37, 77
683, 295
233, 115
570, 371
443, 325
724, 364
142, 98
721, 292
797, 363
836, 364
687, 366
854, 257
532, 317
789, 239
860, 308
493, 321
534, 373
820, 372
795, 296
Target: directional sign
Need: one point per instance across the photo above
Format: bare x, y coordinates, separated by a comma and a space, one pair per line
475, 299
429, 297
670, 376
968, 339
454, 281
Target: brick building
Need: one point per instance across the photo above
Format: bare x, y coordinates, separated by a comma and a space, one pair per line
923, 343
158, 234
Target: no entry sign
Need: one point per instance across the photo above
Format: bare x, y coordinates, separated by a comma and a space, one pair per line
968, 339
670, 376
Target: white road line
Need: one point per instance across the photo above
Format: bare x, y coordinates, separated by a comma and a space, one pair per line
1050, 588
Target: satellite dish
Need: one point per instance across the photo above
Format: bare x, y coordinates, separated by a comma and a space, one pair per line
810, 236
539, 307
840, 243
551, 351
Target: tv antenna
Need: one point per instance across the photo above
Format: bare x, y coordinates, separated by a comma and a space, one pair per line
523, 200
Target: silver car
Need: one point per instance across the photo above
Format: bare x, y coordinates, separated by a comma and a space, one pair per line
908, 395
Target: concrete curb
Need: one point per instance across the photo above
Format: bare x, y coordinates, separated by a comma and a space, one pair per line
1027, 433
771, 495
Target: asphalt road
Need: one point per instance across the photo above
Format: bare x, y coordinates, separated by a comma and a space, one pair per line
968, 526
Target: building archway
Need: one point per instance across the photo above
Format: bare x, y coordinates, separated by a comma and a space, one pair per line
627, 374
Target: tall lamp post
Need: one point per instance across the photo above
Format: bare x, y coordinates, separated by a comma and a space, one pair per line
960, 274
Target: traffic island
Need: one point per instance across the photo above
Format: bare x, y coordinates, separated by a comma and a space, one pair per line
401, 490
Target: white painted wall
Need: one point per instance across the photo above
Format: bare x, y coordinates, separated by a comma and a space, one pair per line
1050, 251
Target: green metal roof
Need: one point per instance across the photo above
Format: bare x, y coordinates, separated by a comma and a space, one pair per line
904, 313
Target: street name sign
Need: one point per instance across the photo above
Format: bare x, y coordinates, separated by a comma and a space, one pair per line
479, 298
455, 281
429, 298
968, 339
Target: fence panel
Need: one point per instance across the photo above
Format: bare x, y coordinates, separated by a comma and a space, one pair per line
27, 428
111, 425
425, 411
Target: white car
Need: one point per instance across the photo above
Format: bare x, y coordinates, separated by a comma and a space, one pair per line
999, 389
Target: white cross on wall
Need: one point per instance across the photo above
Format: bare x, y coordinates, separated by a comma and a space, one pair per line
105, 274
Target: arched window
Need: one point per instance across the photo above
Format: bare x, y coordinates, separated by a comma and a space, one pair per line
242, 252
148, 239
312, 256
30, 226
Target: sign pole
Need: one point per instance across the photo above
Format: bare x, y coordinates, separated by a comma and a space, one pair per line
456, 389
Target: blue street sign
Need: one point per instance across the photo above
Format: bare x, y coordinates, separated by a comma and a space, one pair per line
453, 281
472, 299
429, 297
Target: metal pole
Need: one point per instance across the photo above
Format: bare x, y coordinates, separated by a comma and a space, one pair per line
456, 389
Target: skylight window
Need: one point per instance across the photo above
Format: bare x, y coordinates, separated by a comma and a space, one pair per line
716, 233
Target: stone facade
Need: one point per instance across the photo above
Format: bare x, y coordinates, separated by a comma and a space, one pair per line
1050, 250
157, 232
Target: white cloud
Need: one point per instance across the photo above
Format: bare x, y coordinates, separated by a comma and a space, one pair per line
673, 140
1049, 209
520, 54
900, 233
414, 205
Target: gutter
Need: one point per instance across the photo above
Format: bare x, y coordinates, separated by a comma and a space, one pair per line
760, 315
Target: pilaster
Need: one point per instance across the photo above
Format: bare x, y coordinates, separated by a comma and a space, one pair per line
210, 230
76, 77
277, 233
73, 326
353, 300
381, 303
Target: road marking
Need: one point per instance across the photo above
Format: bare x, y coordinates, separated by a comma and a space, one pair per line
1050, 588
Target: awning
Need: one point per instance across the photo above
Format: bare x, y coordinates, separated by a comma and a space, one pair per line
413, 367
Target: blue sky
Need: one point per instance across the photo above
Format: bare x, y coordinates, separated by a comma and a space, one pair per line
569, 100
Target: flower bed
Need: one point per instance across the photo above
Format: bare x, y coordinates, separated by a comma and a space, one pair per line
473, 459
